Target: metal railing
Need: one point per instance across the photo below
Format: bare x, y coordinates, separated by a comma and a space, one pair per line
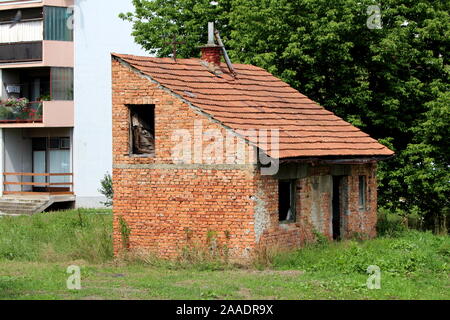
30, 113
29, 51
65, 187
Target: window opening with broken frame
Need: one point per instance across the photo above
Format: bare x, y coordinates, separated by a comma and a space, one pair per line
142, 130
287, 200
362, 192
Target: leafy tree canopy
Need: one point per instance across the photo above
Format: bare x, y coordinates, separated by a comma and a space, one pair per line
391, 81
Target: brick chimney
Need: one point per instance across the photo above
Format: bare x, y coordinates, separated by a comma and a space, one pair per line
211, 53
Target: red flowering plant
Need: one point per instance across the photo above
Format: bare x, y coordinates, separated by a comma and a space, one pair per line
35, 111
19, 109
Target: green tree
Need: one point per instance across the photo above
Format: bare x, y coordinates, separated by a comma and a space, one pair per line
155, 22
107, 189
427, 166
386, 80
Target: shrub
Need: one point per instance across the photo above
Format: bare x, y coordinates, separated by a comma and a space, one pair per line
107, 189
321, 239
125, 233
390, 224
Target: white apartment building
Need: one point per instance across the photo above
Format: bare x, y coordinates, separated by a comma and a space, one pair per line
55, 93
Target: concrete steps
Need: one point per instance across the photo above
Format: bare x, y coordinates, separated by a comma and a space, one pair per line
23, 206
17, 205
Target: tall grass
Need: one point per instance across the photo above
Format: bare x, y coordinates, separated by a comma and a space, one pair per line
87, 235
407, 253
57, 236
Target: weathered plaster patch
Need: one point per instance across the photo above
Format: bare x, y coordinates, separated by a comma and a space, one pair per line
262, 220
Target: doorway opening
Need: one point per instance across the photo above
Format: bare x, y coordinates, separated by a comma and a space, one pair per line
337, 206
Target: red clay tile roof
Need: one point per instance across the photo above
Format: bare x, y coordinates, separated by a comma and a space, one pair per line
258, 100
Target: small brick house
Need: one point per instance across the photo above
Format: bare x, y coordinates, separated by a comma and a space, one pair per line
201, 151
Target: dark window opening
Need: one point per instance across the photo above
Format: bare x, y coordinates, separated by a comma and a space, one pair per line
61, 84
362, 192
30, 14
286, 201
142, 129
337, 206
30, 83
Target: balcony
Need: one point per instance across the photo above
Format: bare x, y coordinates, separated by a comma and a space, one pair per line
36, 97
10, 4
21, 52
40, 114
19, 2
21, 111
23, 4
41, 38
34, 183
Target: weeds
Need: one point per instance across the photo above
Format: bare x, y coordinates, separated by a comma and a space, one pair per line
57, 236
413, 264
410, 253
263, 257
125, 233
321, 239
389, 224
212, 254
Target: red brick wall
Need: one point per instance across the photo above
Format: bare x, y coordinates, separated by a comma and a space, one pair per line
362, 221
290, 235
168, 206
170, 209
314, 207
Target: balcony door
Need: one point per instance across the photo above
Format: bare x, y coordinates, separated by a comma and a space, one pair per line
51, 155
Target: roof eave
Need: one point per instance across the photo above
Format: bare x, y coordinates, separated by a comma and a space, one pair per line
338, 159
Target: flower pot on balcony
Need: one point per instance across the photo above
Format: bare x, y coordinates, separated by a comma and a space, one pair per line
14, 109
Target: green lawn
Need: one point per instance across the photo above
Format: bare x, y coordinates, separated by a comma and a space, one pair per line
36, 251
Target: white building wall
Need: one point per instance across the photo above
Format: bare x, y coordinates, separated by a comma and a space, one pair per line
98, 32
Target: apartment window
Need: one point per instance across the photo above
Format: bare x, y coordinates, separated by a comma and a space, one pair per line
57, 24
362, 192
59, 143
65, 143
142, 130
29, 14
286, 200
61, 83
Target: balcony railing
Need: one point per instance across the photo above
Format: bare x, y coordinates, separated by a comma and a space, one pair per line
29, 113
17, 1
21, 52
25, 182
